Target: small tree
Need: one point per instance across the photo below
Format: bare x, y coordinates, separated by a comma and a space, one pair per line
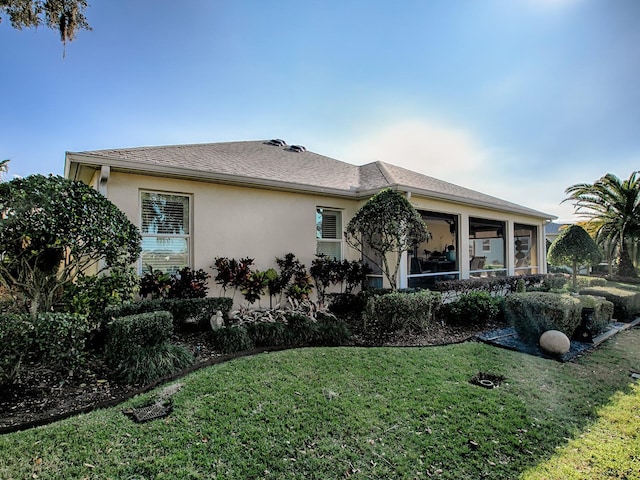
386, 224
54, 229
574, 247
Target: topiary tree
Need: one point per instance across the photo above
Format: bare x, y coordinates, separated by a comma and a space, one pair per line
386, 224
54, 229
574, 247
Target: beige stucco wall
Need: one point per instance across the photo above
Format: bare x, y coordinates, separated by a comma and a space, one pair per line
235, 222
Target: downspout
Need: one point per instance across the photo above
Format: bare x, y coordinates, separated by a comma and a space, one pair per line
105, 172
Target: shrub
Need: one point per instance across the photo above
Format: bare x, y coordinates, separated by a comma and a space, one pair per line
148, 363
188, 283
494, 285
59, 339
92, 294
231, 339
138, 349
332, 332
475, 308
267, 334
534, 313
396, 311
196, 312
190, 311
15, 343
185, 283
142, 329
301, 330
349, 307
626, 303
602, 312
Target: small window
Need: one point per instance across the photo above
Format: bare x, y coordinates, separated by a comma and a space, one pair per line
165, 229
329, 233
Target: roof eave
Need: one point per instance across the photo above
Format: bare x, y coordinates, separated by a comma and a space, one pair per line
116, 164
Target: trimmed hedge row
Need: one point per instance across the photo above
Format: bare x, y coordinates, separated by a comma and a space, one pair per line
191, 313
299, 330
55, 338
626, 303
533, 313
138, 347
393, 312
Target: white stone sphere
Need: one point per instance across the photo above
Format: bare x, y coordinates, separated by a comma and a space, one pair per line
555, 342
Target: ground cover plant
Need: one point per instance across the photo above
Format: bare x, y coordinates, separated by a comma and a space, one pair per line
349, 412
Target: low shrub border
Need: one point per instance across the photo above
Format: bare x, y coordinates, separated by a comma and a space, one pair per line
138, 347
534, 313
626, 303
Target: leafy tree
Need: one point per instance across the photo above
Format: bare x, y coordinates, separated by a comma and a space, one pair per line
387, 224
66, 16
54, 229
574, 247
614, 207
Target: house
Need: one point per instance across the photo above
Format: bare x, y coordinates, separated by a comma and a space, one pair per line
263, 199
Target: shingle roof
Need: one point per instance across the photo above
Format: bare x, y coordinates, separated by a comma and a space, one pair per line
260, 162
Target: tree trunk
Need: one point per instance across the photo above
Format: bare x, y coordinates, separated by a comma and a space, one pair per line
625, 265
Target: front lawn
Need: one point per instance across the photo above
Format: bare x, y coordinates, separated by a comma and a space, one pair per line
351, 412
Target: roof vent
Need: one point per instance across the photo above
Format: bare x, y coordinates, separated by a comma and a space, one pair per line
297, 148
277, 142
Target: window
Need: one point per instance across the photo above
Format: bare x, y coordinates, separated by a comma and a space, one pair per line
329, 233
526, 258
165, 229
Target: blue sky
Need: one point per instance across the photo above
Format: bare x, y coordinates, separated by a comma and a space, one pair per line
515, 98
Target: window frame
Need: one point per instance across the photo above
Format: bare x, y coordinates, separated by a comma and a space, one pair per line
187, 235
339, 234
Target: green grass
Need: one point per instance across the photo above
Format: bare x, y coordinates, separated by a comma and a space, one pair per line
359, 413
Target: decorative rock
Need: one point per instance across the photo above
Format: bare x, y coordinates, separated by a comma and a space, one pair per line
555, 342
216, 321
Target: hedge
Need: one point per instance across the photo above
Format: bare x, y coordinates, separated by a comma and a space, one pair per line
55, 338
387, 314
138, 347
626, 303
533, 313
187, 312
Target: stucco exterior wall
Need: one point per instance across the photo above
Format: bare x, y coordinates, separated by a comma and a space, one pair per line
235, 221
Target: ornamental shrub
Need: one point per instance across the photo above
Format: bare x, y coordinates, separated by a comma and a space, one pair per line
59, 339
473, 309
533, 313
349, 307
92, 294
301, 330
138, 349
15, 342
411, 312
185, 283
231, 339
626, 303
56, 339
267, 334
195, 313
602, 312
331, 332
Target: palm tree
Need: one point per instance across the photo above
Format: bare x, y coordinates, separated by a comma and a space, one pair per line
613, 206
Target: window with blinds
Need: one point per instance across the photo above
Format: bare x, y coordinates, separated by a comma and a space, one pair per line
329, 233
165, 229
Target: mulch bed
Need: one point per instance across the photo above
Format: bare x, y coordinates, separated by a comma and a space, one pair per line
45, 395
